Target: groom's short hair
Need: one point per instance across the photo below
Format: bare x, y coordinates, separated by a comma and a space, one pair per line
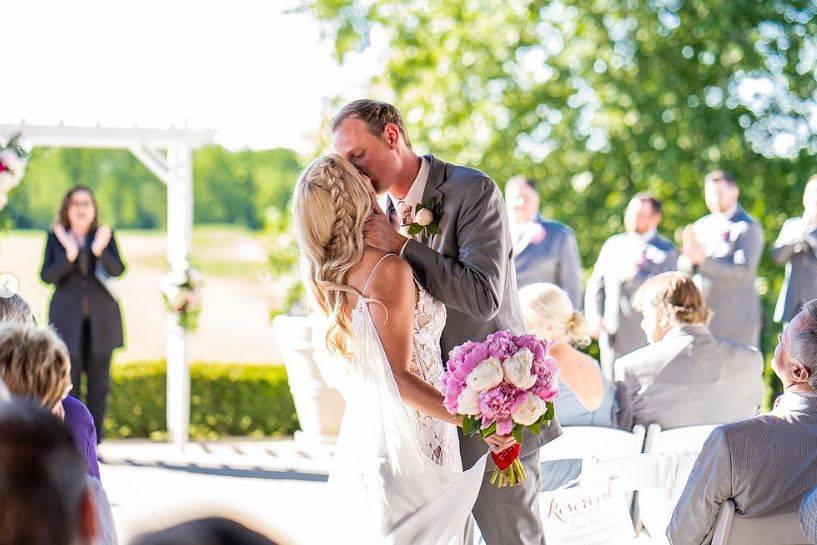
375, 113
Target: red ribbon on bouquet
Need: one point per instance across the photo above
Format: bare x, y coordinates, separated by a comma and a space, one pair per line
508, 470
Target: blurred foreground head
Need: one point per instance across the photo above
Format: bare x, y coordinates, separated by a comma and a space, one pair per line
206, 531
43, 492
34, 363
14, 309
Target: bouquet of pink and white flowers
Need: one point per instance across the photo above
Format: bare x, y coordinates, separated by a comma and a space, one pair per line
13, 158
504, 385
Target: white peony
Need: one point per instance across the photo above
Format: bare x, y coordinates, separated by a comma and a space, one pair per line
468, 402
7, 181
424, 217
518, 369
530, 411
485, 376
13, 161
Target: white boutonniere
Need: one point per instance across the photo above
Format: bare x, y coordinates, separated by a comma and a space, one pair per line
426, 218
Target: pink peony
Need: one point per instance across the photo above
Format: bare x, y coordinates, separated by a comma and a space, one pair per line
534, 344
462, 360
547, 385
501, 345
497, 404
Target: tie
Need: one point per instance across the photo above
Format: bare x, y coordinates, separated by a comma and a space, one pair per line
405, 213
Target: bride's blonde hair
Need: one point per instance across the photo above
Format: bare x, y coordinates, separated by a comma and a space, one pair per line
330, 203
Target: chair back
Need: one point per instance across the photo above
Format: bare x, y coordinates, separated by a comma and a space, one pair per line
733, 529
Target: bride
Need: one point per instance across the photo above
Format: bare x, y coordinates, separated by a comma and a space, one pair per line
397, 475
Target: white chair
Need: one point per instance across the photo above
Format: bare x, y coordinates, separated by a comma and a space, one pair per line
732, 529
687, 438
563, 458
677, 449
581, 442
598, 508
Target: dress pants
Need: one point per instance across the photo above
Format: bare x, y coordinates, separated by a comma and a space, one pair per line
97, 370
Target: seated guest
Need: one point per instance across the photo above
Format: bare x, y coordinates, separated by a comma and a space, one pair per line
43, 486
764, 464
14, 309
686, 376
587, 398
206, 531
808, 515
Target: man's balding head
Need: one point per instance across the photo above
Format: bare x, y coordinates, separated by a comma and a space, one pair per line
795, 359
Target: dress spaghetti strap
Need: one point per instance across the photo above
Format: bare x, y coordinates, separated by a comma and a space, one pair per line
371, 274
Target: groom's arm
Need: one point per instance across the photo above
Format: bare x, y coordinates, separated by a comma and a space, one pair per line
474, 280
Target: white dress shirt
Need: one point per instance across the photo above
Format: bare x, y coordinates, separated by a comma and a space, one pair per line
418, 187
415, 192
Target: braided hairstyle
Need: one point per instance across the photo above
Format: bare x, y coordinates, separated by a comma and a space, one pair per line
331, 202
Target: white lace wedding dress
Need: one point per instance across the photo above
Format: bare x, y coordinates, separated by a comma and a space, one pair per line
397, 476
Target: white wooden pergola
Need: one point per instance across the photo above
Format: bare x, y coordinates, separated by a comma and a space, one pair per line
168, 154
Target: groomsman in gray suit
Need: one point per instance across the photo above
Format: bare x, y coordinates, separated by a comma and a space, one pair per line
468, 266
796, 247
723, 250
544, 250
764, 464
625, 261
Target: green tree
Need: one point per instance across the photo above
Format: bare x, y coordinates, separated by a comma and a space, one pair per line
229, 187
599, 99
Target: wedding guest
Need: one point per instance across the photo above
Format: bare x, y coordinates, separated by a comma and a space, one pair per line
80, 258
544, 250
723, 250
625, 261
205, 531
808, 515
764, 464
15, 309
43, 487
796, 247
34, 365
686, 376
586, 397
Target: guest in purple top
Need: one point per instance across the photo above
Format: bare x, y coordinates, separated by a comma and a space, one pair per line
14, 310
79, 420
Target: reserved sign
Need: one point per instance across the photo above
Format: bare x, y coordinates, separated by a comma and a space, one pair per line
586, 516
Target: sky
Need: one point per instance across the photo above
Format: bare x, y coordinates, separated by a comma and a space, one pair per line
258, 76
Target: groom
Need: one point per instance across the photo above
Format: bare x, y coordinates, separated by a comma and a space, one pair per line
468, 266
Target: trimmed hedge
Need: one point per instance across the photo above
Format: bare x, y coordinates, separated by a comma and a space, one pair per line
225, 400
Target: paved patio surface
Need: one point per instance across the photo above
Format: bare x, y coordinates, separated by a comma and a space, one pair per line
277, 487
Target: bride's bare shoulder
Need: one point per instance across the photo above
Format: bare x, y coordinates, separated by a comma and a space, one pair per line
387, 274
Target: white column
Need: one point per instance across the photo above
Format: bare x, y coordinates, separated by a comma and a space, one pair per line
179, 238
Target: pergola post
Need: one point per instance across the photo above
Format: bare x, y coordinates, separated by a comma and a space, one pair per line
179, 238
176, 172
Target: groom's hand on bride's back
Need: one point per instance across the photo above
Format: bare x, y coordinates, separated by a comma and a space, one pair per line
379, 233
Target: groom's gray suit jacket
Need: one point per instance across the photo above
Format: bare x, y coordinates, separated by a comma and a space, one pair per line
469, 267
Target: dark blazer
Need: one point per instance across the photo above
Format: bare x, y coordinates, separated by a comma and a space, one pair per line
554, 259
65, 310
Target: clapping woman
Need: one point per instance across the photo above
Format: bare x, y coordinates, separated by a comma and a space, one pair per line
80, 258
